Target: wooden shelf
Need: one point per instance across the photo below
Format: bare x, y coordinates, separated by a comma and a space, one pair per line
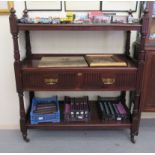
80, 27
88, 125
90, 79
94, 123
33, 62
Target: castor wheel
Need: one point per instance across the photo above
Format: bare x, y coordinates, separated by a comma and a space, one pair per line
25, 138
133, 139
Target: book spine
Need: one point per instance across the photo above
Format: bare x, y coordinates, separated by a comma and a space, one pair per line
106, 110
102, 110
111, 110
121, 108
72, 109
122, 111
118, 117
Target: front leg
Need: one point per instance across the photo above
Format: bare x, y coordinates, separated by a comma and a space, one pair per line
23, 126
135, 117
132, 138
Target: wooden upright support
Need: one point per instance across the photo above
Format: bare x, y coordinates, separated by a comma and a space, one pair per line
141, 61
17, 67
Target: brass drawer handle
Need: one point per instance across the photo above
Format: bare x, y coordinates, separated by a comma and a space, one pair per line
51, 81
108, 81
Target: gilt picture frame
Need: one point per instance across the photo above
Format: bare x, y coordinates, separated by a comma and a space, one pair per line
5, 7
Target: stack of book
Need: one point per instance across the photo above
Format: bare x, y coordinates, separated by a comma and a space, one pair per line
112, 110
77, 109
45, 108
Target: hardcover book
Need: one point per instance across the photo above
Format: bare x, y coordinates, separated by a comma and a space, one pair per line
104, 60
63, 61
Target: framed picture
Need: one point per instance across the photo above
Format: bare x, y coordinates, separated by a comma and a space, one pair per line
82, 5
104, 60
5, 7
43, 5
119, 6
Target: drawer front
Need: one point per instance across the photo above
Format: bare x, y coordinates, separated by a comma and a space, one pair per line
110, 81
84, 80
49, 80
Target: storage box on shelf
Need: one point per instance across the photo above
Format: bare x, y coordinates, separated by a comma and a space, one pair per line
30, 77
113, 109
77, 109
41, 112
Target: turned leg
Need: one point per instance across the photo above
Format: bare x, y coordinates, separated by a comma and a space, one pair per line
25, 138
135, 117
23, 127
132, 138
24, 131
123, 95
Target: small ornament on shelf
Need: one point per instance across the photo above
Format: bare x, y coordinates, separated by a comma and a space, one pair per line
102, 19
119, 19
69, 18
130, 17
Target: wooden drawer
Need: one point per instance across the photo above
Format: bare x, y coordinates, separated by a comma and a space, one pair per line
79, 80
118, 80
44, 80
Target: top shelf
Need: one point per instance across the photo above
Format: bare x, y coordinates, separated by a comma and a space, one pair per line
81, 27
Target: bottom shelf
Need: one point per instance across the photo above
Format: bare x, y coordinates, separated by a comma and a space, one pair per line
94, 123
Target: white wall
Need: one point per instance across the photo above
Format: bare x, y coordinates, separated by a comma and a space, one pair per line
8, 97
79, 42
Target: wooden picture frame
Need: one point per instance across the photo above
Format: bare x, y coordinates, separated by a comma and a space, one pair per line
80, 8
106, 6
101, 60
58, 7
5, 7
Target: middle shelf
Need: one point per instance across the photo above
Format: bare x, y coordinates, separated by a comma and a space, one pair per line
36, 78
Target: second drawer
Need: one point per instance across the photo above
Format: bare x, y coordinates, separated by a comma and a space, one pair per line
43, 80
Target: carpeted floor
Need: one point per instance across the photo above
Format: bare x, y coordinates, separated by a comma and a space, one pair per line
80, 141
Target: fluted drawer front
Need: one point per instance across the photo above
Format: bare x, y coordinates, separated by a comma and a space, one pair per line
49, 80
79, 80
110, 80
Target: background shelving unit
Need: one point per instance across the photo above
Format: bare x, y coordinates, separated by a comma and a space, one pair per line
148, 97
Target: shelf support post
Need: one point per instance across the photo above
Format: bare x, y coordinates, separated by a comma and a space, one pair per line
127, 44
141, 61
17, 68
27, 36
28, 44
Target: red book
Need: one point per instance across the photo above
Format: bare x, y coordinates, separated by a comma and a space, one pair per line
94, 13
